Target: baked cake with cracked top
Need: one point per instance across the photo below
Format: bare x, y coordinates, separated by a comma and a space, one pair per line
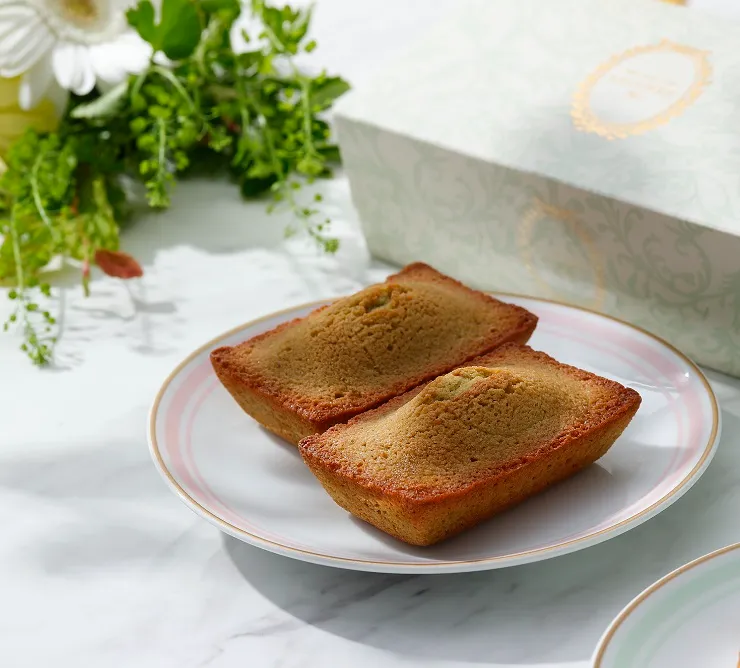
356, 353
461, 448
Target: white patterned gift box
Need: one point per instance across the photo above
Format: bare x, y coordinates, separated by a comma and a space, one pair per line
586, 151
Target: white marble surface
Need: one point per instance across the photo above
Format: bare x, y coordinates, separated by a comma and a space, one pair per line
101, 566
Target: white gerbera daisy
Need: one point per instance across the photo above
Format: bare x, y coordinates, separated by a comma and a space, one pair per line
76, 42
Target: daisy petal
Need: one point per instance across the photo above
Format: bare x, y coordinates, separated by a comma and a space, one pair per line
63, 64
128, 54
35, 83
9, 4
138, 52
87, 74
160, 59
15, 13
21, 45
108, 63
15, 20
23, 57
117, 5
72, 68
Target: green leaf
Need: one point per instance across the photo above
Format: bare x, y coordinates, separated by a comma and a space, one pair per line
310, 166
180, 27
324, 93
103, 106
331, 246
141, 18
214, 6
330, 153
254, 187
178, 31
260, 170
300, 25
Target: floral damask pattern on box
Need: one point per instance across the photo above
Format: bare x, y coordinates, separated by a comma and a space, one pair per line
466, 154
502, 230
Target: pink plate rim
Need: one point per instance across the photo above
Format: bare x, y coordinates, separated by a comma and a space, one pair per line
570, 544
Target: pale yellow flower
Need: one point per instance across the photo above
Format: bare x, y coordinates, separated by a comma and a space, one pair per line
14, 120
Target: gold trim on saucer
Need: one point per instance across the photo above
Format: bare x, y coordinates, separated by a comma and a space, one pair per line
641, 598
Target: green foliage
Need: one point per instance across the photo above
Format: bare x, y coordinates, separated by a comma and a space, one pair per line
178, 31
253, 113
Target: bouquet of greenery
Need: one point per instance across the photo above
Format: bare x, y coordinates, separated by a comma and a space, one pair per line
147, 93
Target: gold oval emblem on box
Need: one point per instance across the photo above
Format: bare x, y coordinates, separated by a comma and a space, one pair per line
640, 89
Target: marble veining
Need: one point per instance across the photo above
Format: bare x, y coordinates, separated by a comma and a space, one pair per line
102, 567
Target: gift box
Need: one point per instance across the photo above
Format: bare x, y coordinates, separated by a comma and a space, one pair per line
586, 151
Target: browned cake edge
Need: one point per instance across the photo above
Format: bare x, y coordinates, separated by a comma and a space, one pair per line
276, 412
271, 414
425, 520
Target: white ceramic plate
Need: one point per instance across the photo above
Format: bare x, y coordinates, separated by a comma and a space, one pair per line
689, 619
254, 486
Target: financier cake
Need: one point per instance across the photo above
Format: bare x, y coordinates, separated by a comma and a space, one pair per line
356, 353
443, 457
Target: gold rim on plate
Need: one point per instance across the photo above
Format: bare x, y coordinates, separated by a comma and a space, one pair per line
320, 557
642, 597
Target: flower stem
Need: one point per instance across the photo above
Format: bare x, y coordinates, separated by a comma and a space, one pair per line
307, 118
19, 276
162, 130
37, 195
